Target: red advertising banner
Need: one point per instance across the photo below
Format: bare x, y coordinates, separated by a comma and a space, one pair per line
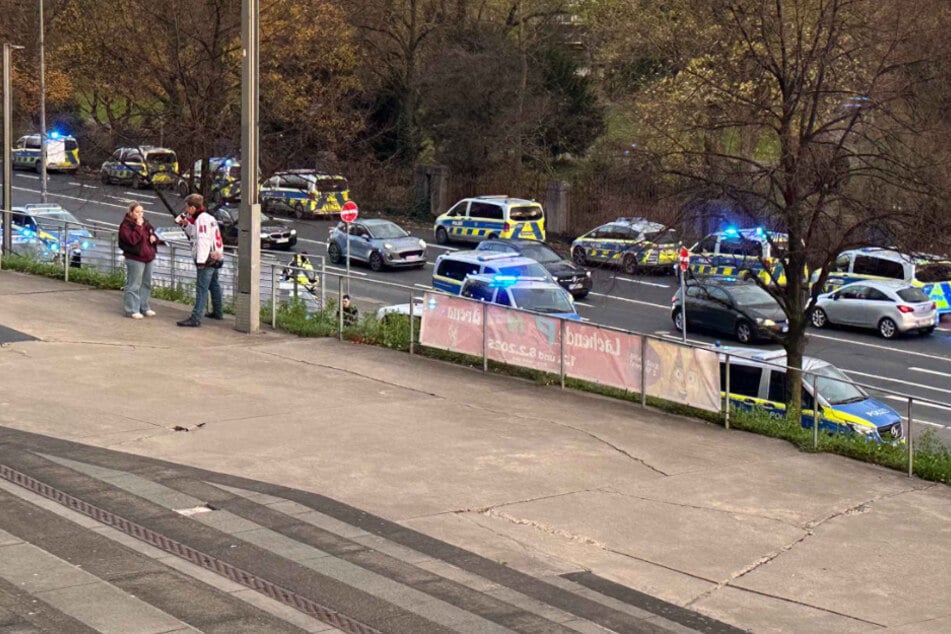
451, 323
603, 356
523, 339
683, 375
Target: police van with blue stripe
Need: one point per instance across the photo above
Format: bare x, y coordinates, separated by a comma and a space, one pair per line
451, 269
475, 219
62, 153
741, 253
930, 273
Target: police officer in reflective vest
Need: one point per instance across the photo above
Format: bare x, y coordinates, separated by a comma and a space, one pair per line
300, 267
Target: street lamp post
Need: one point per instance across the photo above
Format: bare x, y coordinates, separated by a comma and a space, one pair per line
248, 298
7, 142
43, 140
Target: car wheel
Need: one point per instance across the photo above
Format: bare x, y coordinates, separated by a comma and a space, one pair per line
493, 236
136, 181
441, 236
744, 331
678, 318
376, 261
104, 177
887, 328
582, 294
819, 318
298, 211
184, 189
629, 264
577, 254
926, 331
333, 253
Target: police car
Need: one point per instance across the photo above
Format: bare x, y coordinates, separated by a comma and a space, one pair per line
62, 153
740, 253
141, 166
539, 295
930, 273
451, 269
635, 244
225, 179
304, 193
53, 230
758, 382
475, 219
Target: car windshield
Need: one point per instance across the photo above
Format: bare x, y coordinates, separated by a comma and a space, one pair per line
913, 295
834, 387
386, 230
521, 213
326, 184
542, 300
751, 295
161, 157
540, 253
55, 219
934, 272
525, 270
662, 237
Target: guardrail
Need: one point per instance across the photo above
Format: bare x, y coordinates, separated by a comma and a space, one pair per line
174, 268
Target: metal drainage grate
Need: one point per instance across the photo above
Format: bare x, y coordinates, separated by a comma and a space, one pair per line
223, 568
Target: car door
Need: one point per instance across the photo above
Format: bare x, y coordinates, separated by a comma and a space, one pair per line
457, 220
872, 308
721, 314
850, 305
114, 163
697, 306
360, 242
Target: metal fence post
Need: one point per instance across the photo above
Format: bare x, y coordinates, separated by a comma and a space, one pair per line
112, 252
412, 326
323, 280
561, 336
909, 442
643, 371
273, 297
294, 273
339, 306
66, 254
726, 395
815, 411
485, 356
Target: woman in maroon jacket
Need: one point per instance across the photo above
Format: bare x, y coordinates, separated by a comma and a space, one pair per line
138, 243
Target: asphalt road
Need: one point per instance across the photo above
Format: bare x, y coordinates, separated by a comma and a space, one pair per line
910, 365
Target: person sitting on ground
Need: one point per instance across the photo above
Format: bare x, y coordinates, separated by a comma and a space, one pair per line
350, 312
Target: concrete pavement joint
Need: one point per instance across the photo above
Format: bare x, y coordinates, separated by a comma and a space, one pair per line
705, 508
528, 549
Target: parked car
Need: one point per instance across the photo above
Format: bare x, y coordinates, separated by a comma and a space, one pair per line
141, 166
758, 382
634, 244
450, 269
574, 278
890, 307
304, 193
380, 243
741, 252
539, 295
53, 221
225, 179
62, 153
481, 217
275, 234
731, 306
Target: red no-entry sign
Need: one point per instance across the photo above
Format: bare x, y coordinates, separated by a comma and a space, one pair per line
349, 211
684, 258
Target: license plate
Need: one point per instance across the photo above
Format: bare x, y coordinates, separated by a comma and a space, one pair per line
280, 240
925, 322
411, 257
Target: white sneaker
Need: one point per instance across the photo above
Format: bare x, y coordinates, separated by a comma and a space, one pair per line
136, 315
150, 313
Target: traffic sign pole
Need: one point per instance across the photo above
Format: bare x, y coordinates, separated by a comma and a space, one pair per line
348, 213
684, 261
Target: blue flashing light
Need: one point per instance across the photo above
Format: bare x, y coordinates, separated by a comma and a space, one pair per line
85, 244
760, 232
503, 281
731, 231
54, 134
432, 303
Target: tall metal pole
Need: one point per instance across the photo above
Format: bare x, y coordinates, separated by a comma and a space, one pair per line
43, 138
248, 299
683, 304
7, 143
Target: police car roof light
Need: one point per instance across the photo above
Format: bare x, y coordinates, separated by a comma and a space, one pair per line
731, 231
503, 281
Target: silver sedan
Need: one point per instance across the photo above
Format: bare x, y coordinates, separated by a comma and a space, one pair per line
890, 307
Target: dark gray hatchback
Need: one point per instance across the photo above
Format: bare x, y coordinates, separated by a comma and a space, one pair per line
739, 308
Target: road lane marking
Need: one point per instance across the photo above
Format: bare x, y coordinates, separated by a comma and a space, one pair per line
872, 345
141, 195
632, 301
84, 200
352, 272
577, 303
30, 176
439, 246
944, 374
919, 404
319, 242
428, 288
625, 279
125, 200
84, 185
891, 380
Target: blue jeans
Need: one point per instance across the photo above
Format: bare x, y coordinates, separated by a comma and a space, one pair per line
207, 281
138, 286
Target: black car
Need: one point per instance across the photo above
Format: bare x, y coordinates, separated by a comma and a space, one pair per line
574, 278
274, 234
732, 306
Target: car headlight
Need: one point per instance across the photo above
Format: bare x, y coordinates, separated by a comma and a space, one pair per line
422, 244
587, 273
765, 322
861, 429
387, 246
293, 232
